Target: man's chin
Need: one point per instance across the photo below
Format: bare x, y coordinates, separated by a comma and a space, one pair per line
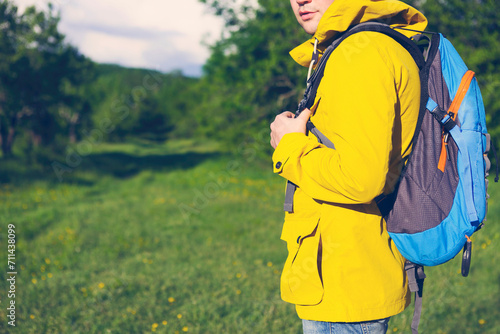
310, 27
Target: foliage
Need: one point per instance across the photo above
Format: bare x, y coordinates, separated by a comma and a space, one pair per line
140, 103
53, 96
252, 79
38, 77
233, 12
249, 77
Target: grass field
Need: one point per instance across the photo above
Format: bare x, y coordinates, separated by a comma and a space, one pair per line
172, 239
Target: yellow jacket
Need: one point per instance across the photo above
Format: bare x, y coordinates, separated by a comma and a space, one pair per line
342, 265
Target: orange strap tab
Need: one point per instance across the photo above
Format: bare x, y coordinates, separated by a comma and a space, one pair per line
453, 111
442, 157
460, 95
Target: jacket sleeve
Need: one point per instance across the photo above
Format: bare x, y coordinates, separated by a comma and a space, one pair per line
359, 98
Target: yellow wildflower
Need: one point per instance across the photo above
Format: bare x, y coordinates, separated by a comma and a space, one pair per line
159, 201
171, 299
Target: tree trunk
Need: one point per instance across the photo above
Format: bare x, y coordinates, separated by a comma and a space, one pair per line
8, 134
72, 120
72, 133
36, 139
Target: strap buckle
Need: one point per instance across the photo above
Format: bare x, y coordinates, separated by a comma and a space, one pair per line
445, 118
416, 276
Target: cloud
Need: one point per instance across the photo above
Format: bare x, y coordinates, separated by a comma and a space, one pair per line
164, 56
124, 31
157, 34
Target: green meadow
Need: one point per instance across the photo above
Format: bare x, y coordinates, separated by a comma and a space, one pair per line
184, 238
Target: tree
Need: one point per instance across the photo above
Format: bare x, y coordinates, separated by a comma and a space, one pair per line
39, 73
73, 106
10, 28
249, 77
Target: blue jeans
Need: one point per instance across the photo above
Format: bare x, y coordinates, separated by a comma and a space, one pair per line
369, 327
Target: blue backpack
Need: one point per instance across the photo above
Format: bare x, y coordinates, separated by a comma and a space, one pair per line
441, 196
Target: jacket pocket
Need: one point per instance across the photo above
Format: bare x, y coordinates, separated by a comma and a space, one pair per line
301, 280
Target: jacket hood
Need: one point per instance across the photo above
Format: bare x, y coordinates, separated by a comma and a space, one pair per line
343, 14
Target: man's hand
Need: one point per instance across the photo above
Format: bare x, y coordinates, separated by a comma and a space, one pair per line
286, 123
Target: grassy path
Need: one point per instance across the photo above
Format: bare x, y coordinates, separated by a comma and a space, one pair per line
187, 242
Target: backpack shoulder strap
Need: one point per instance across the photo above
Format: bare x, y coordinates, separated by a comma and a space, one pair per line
385, 201
385, 29
315, 79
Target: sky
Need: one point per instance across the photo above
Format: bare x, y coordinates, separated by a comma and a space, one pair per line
163, 35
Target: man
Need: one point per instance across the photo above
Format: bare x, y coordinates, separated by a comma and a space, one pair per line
343, 271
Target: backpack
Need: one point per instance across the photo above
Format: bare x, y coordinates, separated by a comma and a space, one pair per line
440, 198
